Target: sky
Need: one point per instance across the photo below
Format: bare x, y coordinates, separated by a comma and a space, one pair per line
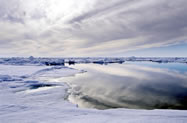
86, 28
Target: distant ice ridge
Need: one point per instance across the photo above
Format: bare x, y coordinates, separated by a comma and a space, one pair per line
97, 60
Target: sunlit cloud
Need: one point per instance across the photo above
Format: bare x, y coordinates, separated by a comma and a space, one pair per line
89, 28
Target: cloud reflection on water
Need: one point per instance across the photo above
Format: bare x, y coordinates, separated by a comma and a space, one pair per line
128, 86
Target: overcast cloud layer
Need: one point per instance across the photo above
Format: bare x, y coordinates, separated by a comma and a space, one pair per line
89, 27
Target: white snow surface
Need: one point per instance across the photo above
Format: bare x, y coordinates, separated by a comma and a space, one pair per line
25, 97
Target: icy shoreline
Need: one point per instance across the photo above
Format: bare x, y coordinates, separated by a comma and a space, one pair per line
97, 60
33, 94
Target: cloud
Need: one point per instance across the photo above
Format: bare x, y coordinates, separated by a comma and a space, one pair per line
127, 86
84, 28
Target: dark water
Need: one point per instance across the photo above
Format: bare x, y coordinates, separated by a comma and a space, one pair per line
136, 85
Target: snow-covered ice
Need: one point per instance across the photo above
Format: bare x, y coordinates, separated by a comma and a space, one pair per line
27, 95
97, 60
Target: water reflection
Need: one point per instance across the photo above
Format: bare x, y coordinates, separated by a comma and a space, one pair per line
128, 86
